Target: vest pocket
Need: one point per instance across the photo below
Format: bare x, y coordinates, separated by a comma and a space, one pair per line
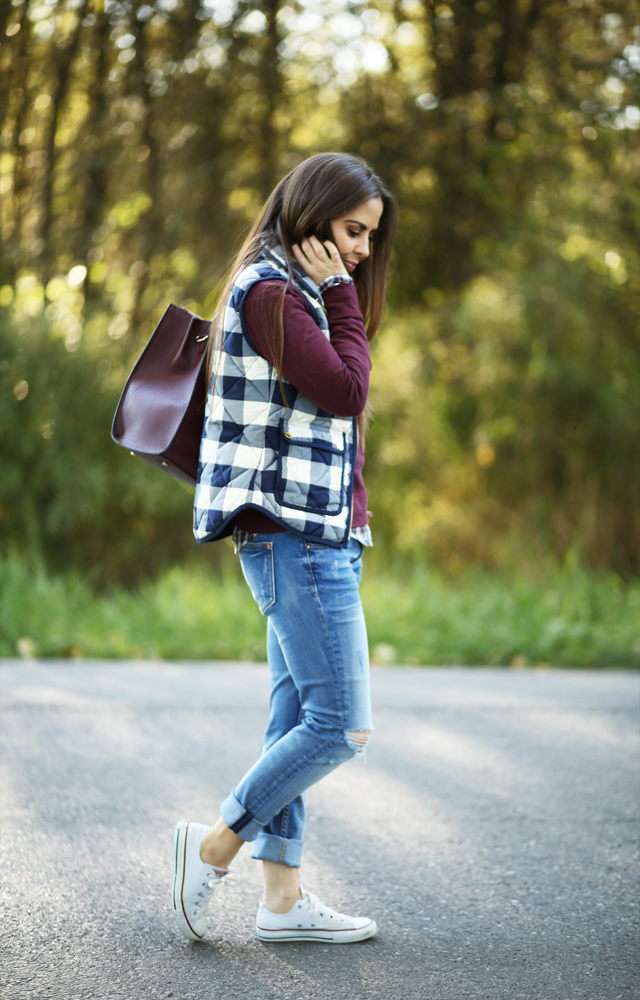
311, 464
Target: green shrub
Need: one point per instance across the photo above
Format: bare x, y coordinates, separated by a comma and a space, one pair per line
68, 494
563, 619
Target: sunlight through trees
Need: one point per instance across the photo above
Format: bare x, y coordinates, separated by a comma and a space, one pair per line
139, 139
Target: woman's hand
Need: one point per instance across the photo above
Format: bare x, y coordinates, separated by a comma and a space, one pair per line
319, 260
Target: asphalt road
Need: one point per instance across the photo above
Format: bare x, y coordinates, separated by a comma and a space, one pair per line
492, 833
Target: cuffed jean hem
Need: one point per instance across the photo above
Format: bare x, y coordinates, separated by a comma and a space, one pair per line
267, 847
238, 819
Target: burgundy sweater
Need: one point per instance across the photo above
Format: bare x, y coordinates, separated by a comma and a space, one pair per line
333, 374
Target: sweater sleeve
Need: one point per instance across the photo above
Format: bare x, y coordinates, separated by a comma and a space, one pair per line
333, 374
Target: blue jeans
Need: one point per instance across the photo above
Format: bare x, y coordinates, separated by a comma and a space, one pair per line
319, 667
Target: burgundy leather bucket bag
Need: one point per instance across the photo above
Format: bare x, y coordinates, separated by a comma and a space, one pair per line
161, 410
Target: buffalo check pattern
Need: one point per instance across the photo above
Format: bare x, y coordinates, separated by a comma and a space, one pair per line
285, 457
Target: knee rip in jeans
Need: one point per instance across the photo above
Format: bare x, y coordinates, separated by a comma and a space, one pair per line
357, 740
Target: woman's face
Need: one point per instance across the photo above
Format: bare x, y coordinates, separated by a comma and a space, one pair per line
352, 232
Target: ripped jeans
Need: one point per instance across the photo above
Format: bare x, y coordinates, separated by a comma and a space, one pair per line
320, 711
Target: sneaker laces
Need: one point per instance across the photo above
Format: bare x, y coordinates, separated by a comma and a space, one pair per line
315, 906
211, 884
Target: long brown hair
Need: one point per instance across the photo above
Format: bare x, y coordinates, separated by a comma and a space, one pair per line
303, 203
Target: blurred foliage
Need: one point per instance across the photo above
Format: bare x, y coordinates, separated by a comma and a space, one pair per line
565, 617
69, 496
139, 139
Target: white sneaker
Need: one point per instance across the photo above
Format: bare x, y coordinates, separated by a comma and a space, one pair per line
193, 881
311, 920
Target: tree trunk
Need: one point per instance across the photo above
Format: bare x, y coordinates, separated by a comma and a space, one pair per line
271, 88
17, 74
96, 171
63, 74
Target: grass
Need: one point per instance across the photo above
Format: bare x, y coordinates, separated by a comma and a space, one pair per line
568, 618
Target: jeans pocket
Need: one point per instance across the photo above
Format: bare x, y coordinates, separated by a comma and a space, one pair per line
256, 559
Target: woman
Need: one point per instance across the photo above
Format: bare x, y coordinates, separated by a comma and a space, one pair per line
281, 469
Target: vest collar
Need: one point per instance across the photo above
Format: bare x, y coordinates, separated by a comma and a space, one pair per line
276, 256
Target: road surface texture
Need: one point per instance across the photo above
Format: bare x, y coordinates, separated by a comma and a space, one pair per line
492, 833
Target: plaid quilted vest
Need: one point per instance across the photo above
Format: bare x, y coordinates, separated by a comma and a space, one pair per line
287, 458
